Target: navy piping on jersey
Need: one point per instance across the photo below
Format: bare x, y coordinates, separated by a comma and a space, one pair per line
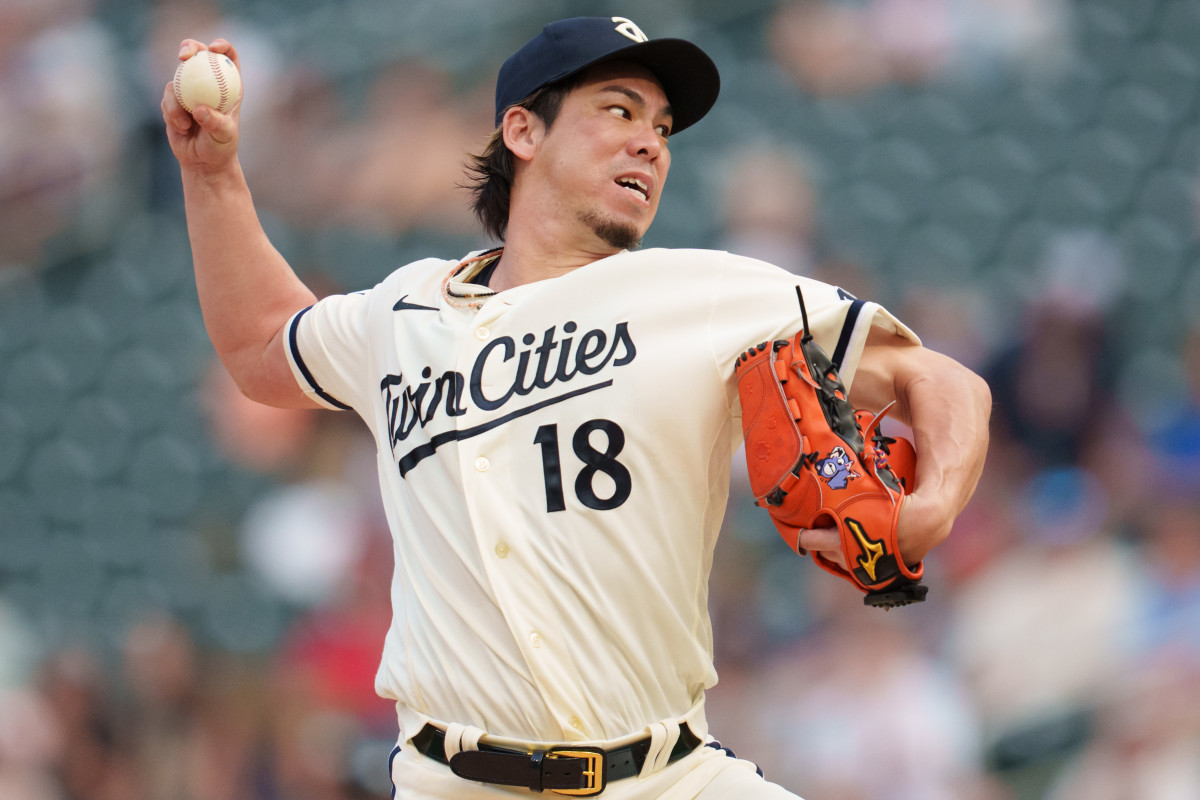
839, 352
391, 780
328, 398
715, 745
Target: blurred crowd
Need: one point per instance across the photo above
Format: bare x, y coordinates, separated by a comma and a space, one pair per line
194, 588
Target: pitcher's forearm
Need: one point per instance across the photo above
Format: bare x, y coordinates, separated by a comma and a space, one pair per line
949, 408
247, 290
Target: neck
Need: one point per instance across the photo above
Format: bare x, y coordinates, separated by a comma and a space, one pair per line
540, 251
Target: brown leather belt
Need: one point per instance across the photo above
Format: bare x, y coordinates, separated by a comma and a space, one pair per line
565, 769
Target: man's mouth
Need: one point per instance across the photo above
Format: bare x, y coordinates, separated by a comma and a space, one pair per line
635, 185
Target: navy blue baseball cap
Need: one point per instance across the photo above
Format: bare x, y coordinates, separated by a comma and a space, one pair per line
688, 76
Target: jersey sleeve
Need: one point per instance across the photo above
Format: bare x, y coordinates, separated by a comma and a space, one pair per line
327, 350
758, 302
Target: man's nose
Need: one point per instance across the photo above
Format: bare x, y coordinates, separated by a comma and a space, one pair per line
646, 142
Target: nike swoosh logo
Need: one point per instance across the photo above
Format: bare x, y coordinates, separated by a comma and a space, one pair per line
402, 305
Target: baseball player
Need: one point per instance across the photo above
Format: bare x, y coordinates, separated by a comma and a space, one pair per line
555, 420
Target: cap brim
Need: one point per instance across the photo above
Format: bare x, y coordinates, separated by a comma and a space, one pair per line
688, 76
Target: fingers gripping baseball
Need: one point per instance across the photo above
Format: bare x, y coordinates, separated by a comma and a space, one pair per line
206, 137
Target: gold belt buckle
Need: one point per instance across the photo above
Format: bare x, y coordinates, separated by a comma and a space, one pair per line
594, 772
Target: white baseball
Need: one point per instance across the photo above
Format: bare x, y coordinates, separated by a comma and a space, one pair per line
208, 79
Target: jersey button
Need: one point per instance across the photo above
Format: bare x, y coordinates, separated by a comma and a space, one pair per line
502, 549
482, 464
535, 639
482, 333
576, 723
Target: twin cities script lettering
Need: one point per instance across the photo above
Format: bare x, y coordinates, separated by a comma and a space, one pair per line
557, 360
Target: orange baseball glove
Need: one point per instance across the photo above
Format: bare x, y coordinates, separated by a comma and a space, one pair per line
814, 462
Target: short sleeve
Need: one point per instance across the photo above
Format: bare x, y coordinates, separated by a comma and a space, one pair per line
758, 302
327, 350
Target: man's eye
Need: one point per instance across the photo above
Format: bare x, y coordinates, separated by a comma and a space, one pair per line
619, 111
664, 131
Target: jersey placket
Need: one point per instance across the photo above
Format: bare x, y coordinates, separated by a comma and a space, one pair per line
490, 469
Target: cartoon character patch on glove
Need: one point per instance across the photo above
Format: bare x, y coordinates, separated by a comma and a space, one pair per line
837, 469
794, 408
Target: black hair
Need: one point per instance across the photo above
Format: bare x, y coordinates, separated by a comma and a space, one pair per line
490, 173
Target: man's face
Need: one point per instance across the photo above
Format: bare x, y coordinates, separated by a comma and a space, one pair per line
604, 161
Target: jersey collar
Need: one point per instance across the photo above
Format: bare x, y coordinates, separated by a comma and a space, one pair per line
457, 287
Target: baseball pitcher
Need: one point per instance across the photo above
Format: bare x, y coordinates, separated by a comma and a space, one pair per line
555, 419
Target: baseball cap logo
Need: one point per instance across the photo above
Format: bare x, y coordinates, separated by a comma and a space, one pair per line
629, 30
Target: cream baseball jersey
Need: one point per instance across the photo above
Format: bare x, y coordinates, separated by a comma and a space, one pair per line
554, 462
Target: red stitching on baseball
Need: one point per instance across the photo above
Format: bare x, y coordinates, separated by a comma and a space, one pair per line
220, 76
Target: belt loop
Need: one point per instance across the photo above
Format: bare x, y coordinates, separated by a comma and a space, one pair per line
453, 745
470, 737
536, 759
663, 736
461, 737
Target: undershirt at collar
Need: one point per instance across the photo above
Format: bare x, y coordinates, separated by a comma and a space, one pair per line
484, 276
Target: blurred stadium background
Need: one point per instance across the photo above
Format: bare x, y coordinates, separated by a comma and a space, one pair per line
193, 588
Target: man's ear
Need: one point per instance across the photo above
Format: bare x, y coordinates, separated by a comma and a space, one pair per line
523, 131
